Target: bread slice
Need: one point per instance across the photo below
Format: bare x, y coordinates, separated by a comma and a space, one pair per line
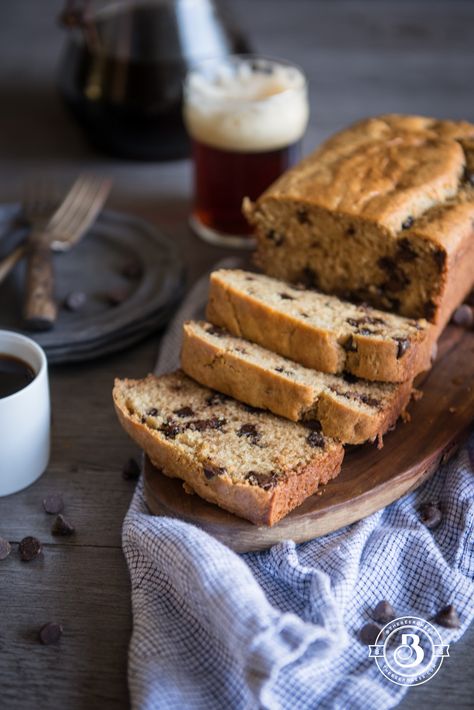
351, 411
251, 463
382, 212
319, 331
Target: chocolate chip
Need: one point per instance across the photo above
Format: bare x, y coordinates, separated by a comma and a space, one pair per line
384, 612
407, 223
350, 345
132, 269
215, 330
309, 277
50, 633
369, 633
440, 257
251, 409
75, 300
116, 297
184, 412
302, 216
430, 515
267, 481
29, 548
448, 617
286, 297
281, 370
429, 310
464, 316
315, 439
350, 231
5, 548
130, 471
304, 315
366, 331
405, 251
216, 398
153, 412
313, 424
365, 320
250, 432
369, 401
205, 424
212, 471
62, 527
349, 377
170, 430
403, 344
275, 237
53, 504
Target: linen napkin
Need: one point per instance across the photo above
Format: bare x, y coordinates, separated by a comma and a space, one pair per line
279, 629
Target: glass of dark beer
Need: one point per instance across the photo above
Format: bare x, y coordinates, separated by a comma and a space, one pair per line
246, 117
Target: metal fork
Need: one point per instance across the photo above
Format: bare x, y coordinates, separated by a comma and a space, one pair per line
67, 225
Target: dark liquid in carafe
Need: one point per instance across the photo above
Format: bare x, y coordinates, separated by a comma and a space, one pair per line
127, 91
15, 374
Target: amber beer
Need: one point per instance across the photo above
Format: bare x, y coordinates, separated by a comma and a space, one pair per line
246, 118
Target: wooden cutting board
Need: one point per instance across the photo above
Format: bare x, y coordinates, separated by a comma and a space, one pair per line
370, 478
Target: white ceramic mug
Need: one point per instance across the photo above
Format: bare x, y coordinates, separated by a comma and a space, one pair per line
25, 419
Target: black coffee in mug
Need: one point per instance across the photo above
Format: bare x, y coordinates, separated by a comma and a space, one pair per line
15, 374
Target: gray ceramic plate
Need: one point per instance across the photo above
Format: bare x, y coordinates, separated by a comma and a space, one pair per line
96, 267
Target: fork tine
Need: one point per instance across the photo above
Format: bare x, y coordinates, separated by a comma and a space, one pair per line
74, 193
80, 193
83, 211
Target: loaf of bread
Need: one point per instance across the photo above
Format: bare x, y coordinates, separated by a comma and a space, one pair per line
344, 408
251, 463
317, 330
382, 212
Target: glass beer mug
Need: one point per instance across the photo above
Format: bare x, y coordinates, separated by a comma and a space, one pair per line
246, 117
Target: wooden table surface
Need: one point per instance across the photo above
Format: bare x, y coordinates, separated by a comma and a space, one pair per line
362, 58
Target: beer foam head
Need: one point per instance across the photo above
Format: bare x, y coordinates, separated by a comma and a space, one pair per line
246, 105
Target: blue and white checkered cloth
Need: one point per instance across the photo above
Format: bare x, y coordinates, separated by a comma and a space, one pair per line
279, 629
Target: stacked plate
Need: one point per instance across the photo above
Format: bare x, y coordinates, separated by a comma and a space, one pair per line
131, 275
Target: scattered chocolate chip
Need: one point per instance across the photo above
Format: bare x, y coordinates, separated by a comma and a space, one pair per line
302, 216
249, 278
464, 316
251, 409
369, 401
384, 612
216, 398
309, 277
349, 377
62, 527
275, 237
304, 315
53, 504
430, 515
132, 269
29, 548
286, 297
267, 481
369, 633
440, 257
116, 297
350, 231
405, 251
429, 310
350, 345
366, 331
212, 471
215, 330
281, 370
315, 439
5, 548
153, 412
408, 223
184, 412
74, 301
250, 432
170, 430
130, 471
312, 424
403, 344
50, 633
205, 424
448, 617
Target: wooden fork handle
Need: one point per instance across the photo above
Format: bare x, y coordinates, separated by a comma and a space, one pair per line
40, 309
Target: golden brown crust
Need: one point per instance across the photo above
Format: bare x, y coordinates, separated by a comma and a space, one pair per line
374, 359
261, 507
257, 385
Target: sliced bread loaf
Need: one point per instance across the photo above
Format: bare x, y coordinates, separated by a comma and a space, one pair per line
317, 330
347, 409
251, 463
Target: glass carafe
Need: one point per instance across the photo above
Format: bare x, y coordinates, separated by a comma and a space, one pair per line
123, 66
